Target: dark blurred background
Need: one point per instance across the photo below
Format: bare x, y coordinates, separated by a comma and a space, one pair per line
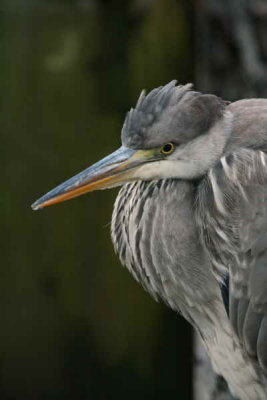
73, 322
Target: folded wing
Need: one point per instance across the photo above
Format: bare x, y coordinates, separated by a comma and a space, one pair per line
232, 204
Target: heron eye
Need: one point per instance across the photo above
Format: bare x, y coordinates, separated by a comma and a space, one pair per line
168, 148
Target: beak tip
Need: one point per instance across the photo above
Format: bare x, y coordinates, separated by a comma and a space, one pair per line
35, 206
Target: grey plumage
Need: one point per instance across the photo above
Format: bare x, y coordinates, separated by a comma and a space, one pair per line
190, 221
242, 248
176, 235
166, 114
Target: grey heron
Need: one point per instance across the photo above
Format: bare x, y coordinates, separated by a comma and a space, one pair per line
190, 221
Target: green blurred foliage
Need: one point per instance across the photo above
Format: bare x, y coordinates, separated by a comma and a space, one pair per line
74, 324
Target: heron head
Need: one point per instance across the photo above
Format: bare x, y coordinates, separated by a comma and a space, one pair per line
173, 132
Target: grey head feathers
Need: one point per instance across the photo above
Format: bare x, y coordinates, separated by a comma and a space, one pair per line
170, 113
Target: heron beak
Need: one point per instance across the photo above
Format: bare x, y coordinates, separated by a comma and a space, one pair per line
113, 170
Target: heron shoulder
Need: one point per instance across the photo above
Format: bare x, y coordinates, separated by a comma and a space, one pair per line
249, 128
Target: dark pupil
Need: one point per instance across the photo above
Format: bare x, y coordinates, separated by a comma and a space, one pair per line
167, 148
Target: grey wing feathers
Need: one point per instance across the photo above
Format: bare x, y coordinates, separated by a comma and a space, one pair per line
234, 198
250, 115
251, 313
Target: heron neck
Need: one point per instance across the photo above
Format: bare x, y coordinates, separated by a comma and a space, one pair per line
156, 237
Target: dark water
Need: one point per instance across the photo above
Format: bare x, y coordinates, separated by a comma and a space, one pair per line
74, 324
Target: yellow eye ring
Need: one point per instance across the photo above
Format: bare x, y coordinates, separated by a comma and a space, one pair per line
168, 148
